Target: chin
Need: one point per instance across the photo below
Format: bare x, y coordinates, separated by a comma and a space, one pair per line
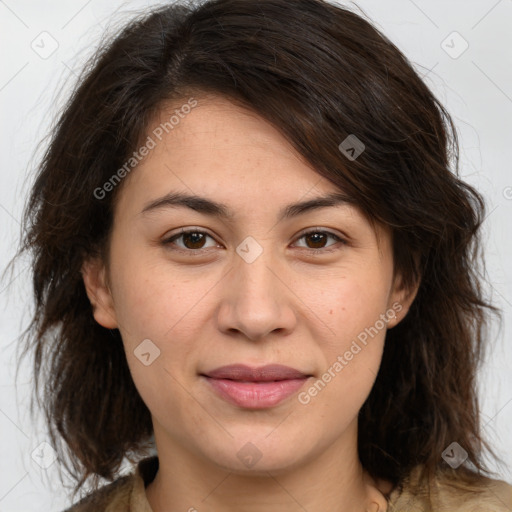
258, 455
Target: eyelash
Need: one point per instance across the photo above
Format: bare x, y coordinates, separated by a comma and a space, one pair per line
169, 241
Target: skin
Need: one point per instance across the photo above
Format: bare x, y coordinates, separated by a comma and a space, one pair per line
288, 306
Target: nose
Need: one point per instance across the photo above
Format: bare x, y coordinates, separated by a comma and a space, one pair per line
257, 300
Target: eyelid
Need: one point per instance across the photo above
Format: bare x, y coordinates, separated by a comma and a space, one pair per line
166, 241
320, 229
343, 239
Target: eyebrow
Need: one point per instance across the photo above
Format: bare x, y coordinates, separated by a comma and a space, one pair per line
212, 208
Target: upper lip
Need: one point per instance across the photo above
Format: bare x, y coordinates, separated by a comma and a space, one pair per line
261, 374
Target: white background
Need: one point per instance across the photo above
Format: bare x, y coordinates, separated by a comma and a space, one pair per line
476, 87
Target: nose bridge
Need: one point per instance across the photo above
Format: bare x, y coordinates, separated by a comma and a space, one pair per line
252, 270
256, 303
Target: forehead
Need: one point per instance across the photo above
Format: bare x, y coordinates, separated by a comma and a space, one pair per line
218, 134
222, 150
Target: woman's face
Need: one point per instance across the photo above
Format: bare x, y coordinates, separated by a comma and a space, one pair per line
251, 290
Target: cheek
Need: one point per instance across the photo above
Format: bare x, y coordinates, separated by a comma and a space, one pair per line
351, 307
157, 325
351, 358
153, 299
352, 353
155, 302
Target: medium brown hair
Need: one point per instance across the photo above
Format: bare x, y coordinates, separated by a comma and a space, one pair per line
318, 73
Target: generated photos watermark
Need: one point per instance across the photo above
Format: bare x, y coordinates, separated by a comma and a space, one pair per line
343, 360
151, 142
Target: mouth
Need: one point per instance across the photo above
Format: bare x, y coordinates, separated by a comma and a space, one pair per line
255, 388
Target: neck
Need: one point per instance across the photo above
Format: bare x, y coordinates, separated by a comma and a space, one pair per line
334, 480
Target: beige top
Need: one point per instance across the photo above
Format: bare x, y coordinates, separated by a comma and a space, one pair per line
127, 494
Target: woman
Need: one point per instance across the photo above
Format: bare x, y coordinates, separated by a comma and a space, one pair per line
250, 250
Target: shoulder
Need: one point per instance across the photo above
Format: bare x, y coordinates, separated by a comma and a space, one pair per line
115, 495
125, 494
447, 493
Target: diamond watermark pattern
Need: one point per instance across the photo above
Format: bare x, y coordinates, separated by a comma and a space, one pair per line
249, 454
44, 455
455, 455
352, 147
454, 45
45, 45
249, 249
146, 352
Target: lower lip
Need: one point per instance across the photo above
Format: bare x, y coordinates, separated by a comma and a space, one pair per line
256, 395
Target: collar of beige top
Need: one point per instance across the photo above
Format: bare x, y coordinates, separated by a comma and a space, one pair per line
495, 495
147, 469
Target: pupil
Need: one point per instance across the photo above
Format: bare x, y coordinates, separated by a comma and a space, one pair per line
319, 238
195, 238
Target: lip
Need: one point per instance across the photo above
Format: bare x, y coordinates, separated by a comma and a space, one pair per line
255, 388
269, 372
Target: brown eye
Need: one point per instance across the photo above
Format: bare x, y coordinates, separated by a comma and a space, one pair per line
194, 241
316, 239
191, 240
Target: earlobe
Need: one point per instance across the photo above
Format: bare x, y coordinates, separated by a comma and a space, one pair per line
97, 289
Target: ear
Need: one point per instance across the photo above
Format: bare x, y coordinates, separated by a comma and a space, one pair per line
96, 285
400, 300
